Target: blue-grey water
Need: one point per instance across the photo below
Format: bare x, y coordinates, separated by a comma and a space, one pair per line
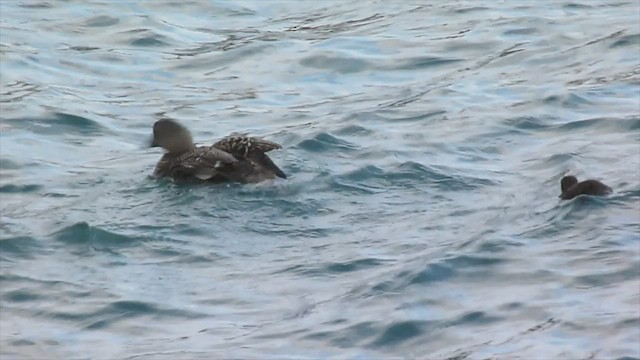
424, 143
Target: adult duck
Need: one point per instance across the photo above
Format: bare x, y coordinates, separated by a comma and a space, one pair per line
233, 159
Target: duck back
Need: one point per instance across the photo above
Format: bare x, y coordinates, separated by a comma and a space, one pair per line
587, 187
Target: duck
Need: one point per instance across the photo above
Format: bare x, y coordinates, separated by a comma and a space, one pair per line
241, 159
571, 188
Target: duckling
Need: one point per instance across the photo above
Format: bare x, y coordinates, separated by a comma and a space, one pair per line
232, 159
572, 188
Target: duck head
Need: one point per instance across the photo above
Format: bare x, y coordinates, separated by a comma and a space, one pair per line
171, 136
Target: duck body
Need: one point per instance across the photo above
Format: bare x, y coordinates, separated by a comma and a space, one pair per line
233, 159
571, 188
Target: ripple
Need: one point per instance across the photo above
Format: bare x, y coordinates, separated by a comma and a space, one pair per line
325, 30
101, 21
59, 123
418, 117
147, 38
7, 164
433, 176
623, 125
347, 337
527, 123
443, 270
424, 62
132, 306
366, 180
335, 63
474, 318
13, 189
333, 268
627, 40
18, 280
351, 266
36, 5
325, 142
400, 332
602, 279
354, 130
372, 179
21, 246
84, 234
16, 91
23, 342
521, 31
471, 9
576, 6
118, 311
433, 273
20, 296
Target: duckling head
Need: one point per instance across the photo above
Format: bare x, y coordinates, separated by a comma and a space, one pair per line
171, 136
567, 182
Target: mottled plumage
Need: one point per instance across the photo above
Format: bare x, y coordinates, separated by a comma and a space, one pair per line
252, 149
236, 159
242, 146
571, 188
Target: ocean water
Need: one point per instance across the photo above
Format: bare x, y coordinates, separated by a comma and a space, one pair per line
424, 143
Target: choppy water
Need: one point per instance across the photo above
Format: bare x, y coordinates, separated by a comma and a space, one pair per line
424, 141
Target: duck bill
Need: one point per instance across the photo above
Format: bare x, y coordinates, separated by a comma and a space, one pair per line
153, 143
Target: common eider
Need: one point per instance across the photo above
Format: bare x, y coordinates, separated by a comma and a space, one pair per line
572, 188
232, 159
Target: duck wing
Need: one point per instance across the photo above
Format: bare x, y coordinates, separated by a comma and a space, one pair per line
203, 163
265, 162
204, 156
252, 149
243, 146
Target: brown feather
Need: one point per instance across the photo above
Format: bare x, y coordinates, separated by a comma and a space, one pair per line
243, 146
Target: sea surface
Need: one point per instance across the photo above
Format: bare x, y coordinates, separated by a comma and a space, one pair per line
424, 142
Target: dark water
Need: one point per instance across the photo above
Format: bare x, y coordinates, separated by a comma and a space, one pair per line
424, 141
